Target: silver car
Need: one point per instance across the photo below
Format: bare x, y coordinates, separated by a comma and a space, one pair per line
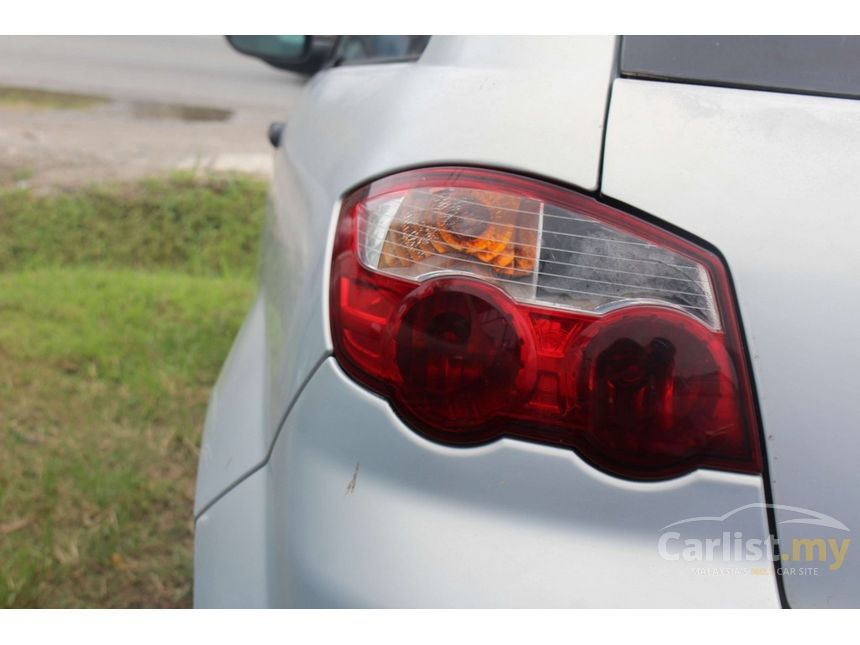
555, 321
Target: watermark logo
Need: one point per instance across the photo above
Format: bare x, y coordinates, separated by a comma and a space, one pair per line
713, 545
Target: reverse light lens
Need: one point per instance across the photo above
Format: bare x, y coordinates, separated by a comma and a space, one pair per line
483, 305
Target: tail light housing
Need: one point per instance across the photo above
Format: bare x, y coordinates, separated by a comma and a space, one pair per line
481, 304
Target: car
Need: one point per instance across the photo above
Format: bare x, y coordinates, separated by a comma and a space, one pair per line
547, 321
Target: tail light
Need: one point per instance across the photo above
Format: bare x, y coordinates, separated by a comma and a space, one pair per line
482, 305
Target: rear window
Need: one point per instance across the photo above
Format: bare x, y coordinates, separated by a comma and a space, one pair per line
825, 65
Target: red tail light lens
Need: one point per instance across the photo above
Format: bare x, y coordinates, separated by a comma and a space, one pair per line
482, 305
461, 355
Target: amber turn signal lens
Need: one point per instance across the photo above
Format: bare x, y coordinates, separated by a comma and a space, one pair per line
434, 226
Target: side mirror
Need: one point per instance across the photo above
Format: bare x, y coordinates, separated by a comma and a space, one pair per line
300, 54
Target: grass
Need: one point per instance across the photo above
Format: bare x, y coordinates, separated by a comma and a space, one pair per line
26, 98
117, 307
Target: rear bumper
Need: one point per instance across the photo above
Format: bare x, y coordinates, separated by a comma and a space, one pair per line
354, 509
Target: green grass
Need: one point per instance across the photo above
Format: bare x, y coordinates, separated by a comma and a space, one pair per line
117, 307
181, 224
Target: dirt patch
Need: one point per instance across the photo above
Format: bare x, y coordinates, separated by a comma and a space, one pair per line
24, 98
154, 110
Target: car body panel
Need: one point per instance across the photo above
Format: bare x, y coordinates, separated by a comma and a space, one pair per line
233, 442
770, 179
231, 562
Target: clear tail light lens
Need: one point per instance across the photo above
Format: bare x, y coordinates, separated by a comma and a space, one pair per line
482, 305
